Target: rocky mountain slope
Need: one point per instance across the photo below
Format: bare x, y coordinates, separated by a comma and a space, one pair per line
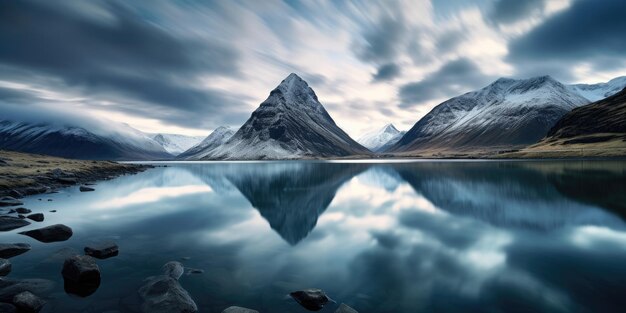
290, 124
219, 136
507, 113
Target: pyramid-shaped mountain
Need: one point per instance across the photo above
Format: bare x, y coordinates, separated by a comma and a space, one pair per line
290, 124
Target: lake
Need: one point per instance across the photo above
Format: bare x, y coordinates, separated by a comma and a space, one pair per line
422, 236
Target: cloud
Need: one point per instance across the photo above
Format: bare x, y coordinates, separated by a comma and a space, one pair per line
587, 32
387, 72
382, 41
450, 80
511, 11
114, 54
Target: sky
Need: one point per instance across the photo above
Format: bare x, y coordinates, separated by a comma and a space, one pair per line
189, 67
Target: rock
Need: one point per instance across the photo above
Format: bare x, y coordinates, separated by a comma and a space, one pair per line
9, 250
5, 267
67, 180
21, 216
343, 308
37, 217
85, 189
49, 199
311, 299
10, 223
9, 287
22, 210
9, 201
102, 250
173, 269
81, 275
164, 294
53, 211
16, 194
28, 302
194, 271
7, 308
81, 269
238, 309
53, 233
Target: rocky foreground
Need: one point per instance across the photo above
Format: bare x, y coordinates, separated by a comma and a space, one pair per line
23, 174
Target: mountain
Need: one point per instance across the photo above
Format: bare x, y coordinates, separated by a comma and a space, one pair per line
507, 113
379, 139
219, 136
597, 129
290, 124
595, 92
118, 142
176, 144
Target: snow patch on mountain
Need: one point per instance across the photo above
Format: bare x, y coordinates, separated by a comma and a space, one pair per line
595, 92
176, 144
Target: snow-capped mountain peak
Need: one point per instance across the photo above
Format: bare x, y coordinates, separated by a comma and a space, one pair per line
290, 123
219, 136
385, 136
504, 114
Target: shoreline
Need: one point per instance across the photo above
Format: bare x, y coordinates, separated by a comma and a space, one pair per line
24, 174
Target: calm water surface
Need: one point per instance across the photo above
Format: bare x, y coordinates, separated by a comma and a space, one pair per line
381, 237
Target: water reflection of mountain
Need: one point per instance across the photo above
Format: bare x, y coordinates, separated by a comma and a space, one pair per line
527, 195
290, 196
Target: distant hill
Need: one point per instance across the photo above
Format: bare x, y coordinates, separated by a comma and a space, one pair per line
119, 142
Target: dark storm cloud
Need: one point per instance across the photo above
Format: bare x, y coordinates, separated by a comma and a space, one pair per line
450, 80
117, 54
590, 31
511, 11
381, 42
387, 72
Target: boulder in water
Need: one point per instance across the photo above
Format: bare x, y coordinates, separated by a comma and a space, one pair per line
52, 233
311, 299
173, 269
85, 189
23, 210
9, 201
238, 309
10, 223
9, 250
10, 287
28, 302
164, 294
37, 217
81, 275
102, 250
